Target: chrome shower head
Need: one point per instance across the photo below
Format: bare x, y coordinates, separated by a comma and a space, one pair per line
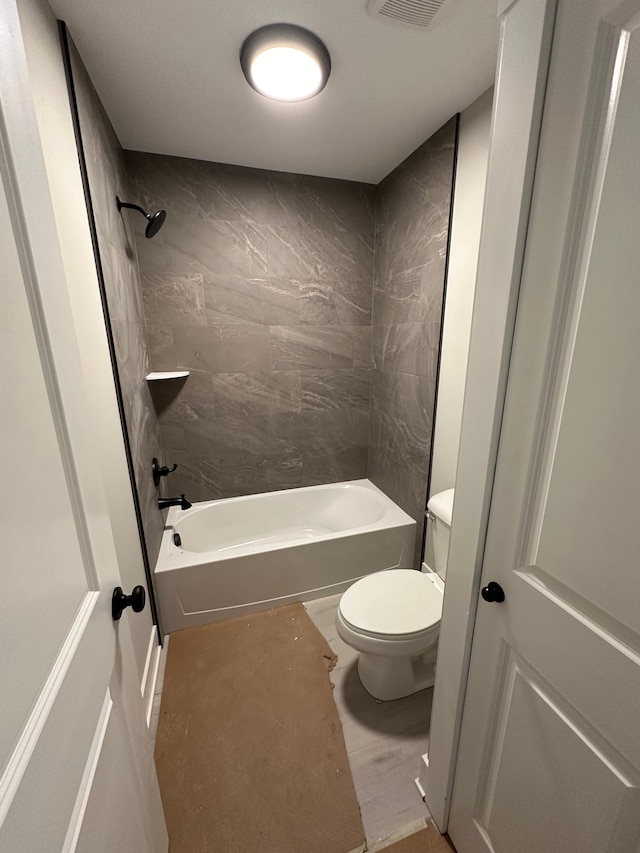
154, 220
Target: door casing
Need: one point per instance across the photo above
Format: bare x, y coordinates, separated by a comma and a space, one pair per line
525, 47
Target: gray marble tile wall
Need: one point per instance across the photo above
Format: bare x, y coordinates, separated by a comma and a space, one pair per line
107, 178
412, 224
260, 284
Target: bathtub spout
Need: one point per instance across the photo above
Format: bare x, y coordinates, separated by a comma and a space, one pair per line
182, 502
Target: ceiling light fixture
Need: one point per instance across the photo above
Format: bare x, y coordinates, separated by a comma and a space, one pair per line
285, 62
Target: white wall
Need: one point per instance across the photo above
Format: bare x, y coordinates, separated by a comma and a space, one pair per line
466, 221
471, 174
46, 71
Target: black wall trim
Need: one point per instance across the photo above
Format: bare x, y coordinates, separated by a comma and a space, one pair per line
444, 305
66, 55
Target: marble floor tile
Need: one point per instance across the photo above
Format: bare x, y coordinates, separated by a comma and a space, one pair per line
385, 740
410, 828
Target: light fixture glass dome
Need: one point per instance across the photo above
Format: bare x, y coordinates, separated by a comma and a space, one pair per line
285, 62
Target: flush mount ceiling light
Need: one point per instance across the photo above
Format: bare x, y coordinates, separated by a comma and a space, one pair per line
285, 62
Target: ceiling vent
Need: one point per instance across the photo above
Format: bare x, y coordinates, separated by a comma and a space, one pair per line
416, 13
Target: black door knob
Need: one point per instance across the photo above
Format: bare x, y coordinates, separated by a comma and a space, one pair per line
492, 592
120, 601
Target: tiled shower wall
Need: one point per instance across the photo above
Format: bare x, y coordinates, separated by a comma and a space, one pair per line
412, 226
107, 178
259, 283
308, 313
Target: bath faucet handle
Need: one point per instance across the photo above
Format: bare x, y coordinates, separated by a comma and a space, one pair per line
160, 471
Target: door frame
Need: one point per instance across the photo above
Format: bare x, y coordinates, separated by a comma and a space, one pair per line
523, 63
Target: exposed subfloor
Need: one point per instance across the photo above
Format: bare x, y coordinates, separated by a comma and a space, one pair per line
384, 740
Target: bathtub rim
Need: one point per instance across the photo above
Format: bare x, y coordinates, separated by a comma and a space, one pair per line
172, 557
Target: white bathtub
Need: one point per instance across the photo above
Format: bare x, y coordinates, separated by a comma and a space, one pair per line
241, 555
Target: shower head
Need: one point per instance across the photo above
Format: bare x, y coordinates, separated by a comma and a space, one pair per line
154, 220
155, 223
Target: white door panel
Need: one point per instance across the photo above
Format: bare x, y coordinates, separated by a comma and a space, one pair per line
595, 671
75, 751
99, 833
45, 769
41, 592
576, 788
593, 476
549, 753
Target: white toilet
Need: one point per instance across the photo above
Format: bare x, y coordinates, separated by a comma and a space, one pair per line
393, 617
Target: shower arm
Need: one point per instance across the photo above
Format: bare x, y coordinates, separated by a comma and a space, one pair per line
137, 207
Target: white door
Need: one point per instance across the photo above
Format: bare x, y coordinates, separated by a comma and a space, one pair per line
76, 770
549, 756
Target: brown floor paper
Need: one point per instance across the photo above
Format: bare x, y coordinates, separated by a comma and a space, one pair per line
249, 751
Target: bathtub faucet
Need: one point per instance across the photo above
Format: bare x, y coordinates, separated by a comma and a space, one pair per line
182, 502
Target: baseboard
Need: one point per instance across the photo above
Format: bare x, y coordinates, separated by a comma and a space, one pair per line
150, 676
421, 781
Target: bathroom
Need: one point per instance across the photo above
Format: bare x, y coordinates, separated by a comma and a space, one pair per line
288, 397
307, 312
531, 741
292, 327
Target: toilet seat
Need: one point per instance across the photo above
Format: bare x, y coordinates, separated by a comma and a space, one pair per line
420, 636
398, 604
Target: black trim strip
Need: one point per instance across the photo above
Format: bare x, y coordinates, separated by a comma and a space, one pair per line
66, 55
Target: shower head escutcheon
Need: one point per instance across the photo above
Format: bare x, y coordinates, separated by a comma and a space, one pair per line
154, 220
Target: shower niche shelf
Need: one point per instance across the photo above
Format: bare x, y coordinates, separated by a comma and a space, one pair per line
166, 374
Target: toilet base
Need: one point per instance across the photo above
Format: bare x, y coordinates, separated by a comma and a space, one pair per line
388, 678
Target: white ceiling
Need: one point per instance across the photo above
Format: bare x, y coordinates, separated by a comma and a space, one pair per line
169, 76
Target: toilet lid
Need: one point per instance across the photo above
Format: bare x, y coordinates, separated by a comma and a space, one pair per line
395, 602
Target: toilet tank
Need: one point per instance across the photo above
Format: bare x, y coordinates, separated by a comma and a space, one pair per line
440, 507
